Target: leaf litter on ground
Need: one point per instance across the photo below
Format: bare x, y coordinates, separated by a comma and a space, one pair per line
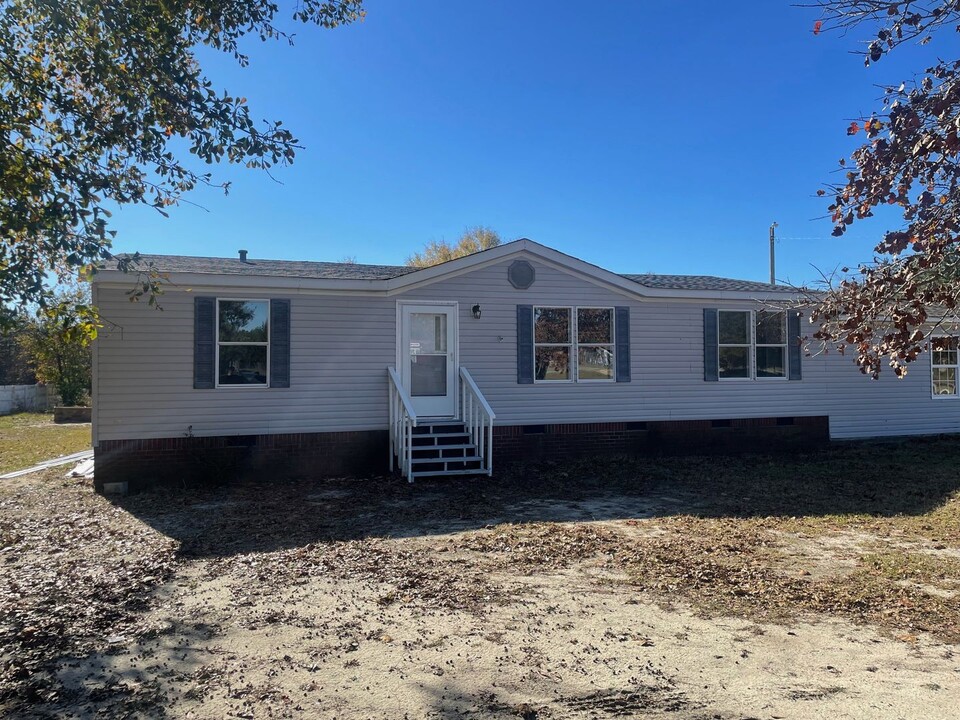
79, 571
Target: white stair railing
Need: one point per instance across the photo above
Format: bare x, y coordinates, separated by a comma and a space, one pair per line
478, 417
402, 421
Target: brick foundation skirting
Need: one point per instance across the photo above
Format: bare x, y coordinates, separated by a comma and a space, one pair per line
196, 460
534, 443
191, 460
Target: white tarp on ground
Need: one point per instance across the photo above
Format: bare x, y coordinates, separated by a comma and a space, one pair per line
26, 398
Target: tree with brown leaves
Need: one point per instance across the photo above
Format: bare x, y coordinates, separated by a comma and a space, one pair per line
440, 251
889, 309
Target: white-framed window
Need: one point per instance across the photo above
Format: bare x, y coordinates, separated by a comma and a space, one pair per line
944, 367
573, 344
752, 344
243, 342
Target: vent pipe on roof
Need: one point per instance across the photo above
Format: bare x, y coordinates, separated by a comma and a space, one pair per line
773, 239
243, 256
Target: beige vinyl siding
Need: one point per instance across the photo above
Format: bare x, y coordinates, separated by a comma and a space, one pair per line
342, 344
339, 350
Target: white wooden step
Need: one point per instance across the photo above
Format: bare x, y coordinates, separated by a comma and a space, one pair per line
435, 437
429, 461
446, 473
452, 446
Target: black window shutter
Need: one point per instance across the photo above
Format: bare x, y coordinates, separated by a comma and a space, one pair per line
525, 344
280, 343
622, 337
794, 345
711, 346
204, 342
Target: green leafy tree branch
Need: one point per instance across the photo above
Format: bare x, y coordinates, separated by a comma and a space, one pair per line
97, 98
56, 342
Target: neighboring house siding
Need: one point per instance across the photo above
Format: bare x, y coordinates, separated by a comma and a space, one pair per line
341, 345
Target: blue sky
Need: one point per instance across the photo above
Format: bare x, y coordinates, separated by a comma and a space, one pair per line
643, 137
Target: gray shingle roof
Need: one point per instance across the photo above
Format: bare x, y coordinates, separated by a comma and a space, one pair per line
355, 271
274, 268
702, 282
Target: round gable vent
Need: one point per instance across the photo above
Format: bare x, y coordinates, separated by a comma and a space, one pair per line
521, 274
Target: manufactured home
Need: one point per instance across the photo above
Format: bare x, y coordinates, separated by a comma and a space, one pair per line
518, 352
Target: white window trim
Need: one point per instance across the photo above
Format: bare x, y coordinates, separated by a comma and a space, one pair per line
574, 346
752, 348
216, 365
956, 394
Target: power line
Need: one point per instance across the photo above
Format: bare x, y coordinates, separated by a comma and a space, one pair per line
807, 239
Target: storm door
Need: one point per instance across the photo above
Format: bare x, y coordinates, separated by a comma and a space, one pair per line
427, 358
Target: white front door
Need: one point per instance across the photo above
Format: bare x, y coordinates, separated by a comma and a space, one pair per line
428, 358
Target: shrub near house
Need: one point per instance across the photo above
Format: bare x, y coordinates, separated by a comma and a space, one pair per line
56, 342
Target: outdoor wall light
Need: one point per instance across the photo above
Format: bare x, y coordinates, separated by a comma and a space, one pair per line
476, 311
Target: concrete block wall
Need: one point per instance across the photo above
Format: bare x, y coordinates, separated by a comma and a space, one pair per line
26, 398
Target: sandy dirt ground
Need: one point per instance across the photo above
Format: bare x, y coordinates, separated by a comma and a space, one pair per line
565, 644
371, 599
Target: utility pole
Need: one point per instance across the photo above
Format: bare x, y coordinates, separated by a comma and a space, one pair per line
773, 264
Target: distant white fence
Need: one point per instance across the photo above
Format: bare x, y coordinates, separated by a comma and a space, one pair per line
26, 398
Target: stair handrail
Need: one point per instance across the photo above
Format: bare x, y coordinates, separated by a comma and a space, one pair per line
478, 417
403, 418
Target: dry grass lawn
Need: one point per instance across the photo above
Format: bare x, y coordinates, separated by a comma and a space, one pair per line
825, 585
30, 438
